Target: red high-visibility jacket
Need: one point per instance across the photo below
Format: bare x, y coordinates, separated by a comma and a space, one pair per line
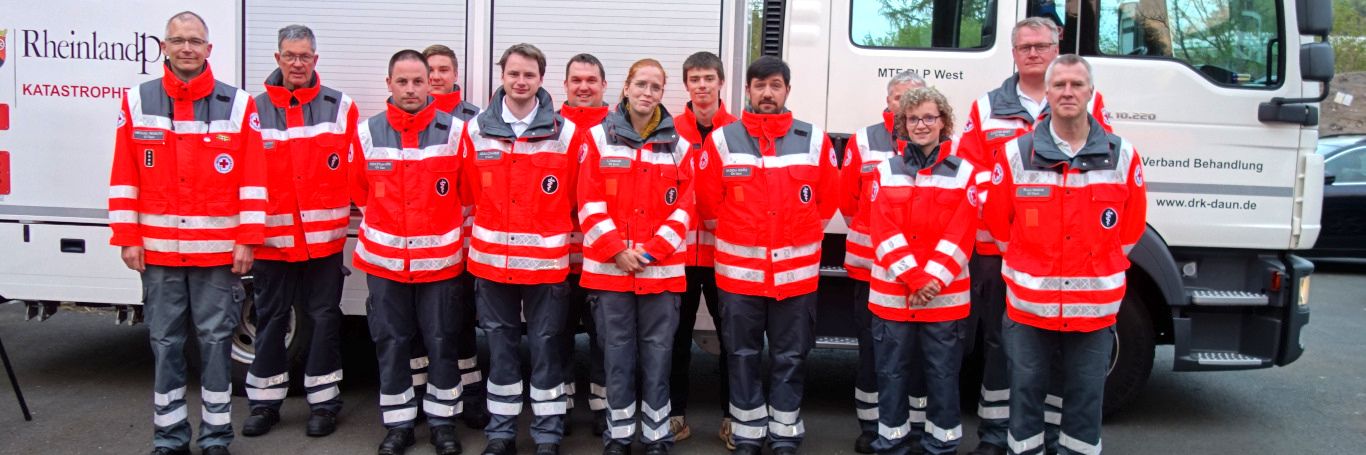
866, 148
454, 103
635, 191
771, 183
923, 223
584, 119
406, 181
307, 135
188, 180
701, 235
523, 188
995, 119
1066, 226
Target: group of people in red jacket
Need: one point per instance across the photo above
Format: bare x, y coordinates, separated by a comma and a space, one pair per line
523, 220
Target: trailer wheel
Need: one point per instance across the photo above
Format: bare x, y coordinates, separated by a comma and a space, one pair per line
299, 331
1132, 360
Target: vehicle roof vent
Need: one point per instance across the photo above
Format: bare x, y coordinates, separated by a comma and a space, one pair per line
772, 37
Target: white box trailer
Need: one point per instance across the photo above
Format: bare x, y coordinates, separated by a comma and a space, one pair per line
1221, 101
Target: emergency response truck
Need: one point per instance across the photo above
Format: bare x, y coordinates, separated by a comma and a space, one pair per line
1220, 97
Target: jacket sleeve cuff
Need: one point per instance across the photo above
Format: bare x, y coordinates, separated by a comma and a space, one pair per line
918, 279
125, 239
659, 248
251, 237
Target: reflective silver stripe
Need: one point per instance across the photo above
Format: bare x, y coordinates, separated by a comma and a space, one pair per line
410, 154
392, 264
597, 390
802, 273
935, 269
441, 263
519, 263
854, 260
279, 241
212, 397
285, 219
918, 402
419, 379
504, 409
592, 208
1066, 310
900, 267
417, 363
252, 192
262, 383
123, 191
519, 239
789, 252
993, 412
897, 302
670, 236
739, 273
984, 236
1077, 445
858, 238
624, 431
747, 415
659, 272
164, 399
591, 236
628, 412
438, 409
467, 363
256, 394
514, 389
547, 394
215, 418
1022, 446
1064, 283
470, 378
892, 243
750, 252
322, 396
397, 399
189, 222
252, 217
187, 246
452, 393
680, 216
170, 418
917, 416
549, 409
748, 431
866, 397
400, 415
317, 237
952, 250
657, 415
123, 216
413, 242
308, 131
867, 414
894, 433
995, 395
654, 434
782, 429
312, 216
1052, 418
942, 434
949, 300
1053, 400
787, 417
1002, 245
597, 404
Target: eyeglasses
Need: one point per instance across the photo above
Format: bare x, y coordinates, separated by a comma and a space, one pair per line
647, 86
193, 42
298, 58
927, 120
1037, 48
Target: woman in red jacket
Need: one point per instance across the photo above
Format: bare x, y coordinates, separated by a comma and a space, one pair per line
635, 207
923, 225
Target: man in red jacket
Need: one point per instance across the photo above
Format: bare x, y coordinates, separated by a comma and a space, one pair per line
406, 179
307, 130
770, 183
703, 77
445, 71
1067, 204
584, 82
187, 204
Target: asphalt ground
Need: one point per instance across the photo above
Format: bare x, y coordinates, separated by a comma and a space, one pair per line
88, 382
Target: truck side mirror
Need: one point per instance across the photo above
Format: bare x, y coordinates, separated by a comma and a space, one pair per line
1316, 62
1315, 16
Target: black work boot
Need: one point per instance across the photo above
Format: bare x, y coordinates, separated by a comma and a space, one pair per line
864, 443
445, 441
216, 450
321, 423
599, 422
616, 448
476, 414
170, 451
260, 422
396, 442
501, 446
547, 449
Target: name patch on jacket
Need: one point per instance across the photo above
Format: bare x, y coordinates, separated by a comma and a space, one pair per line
1033, 191
997, 134
486, 155
738, 171
149, 135
380, 166
617, 163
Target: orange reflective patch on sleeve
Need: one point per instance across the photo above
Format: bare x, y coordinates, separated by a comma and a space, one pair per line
379, 189
486, 179
739, 194
610, 187
1031, 217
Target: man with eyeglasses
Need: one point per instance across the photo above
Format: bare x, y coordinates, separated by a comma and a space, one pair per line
306, 130
994, 119
187, 205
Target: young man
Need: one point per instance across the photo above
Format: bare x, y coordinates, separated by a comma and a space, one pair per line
522, 169
447, 97
584, 82
703, 77
867, 147
187, 202
770, 184
406, 182
1068, 203
306, 130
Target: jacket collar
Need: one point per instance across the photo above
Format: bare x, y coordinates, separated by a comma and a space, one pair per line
915, 158
194, 89
1097, 154
409, 123
1005, 101
446, 102
545, 124
889, 122
585, 117
281, 96
766, 128
618, 124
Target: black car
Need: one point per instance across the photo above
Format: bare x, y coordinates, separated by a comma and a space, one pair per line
1344, 198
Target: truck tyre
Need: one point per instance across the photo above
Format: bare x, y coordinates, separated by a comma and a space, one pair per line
296, 345
1132, 360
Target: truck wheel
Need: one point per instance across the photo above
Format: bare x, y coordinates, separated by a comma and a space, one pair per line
299, 331
1132, 359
